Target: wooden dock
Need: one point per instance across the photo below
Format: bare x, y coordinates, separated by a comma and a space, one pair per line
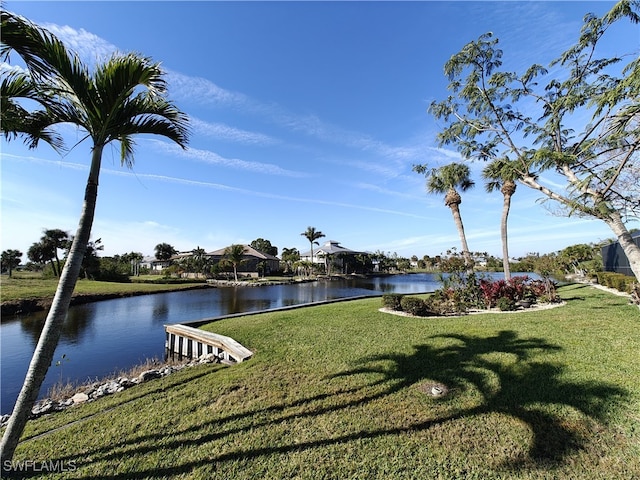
186, 342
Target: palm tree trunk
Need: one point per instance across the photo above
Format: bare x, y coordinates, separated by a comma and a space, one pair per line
57, 259
53, 267
463, 239
503, 232
48, 341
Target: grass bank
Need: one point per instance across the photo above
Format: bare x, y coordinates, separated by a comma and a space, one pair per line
342, 391
29, 292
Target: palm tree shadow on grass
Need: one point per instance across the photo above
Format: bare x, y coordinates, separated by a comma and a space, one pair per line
525, 389
502, 368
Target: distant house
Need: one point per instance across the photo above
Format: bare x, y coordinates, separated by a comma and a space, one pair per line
253, 261
153, 264
614, 258
332, 255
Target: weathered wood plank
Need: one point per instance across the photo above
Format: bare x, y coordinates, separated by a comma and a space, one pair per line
221, 342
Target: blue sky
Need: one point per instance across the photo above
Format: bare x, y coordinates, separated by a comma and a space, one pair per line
303, 114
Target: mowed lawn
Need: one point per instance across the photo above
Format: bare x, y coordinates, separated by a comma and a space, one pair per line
342, 391
27, 286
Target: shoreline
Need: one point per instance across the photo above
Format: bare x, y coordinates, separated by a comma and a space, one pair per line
91, 391
32, 305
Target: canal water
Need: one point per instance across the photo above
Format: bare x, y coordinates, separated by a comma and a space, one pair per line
103, 338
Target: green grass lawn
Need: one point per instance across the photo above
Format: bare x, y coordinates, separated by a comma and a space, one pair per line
338, 391
33, 286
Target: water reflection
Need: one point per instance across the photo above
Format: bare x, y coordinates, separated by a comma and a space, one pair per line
160, 312
76, 325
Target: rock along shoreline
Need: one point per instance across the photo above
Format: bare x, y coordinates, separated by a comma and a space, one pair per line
97, 390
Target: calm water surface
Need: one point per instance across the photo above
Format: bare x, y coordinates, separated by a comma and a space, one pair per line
103, 338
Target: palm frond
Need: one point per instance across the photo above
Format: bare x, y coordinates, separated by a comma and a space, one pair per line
43, 53
16, 121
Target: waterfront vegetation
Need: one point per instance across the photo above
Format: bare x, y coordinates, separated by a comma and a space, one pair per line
343, 391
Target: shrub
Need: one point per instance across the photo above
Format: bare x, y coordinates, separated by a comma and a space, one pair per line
415, 306
506, 304
446, 301
518, 288
392, 301
615, 280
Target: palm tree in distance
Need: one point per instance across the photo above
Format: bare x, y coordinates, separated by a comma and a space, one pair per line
446, 180
235, 256
198, 257
500, 174
53, 240
123, 97
37, 254
289, 257
11, 259
312, 235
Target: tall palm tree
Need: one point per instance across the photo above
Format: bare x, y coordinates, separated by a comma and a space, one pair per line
446, 180
312, 235
500, 174
235, 256
123, 97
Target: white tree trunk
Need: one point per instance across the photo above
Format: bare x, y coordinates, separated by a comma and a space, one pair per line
631, 250
48, 341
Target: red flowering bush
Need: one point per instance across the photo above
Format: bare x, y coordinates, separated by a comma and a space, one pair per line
514, 290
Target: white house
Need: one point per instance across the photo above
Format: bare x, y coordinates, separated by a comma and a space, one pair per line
331, 254
153, 264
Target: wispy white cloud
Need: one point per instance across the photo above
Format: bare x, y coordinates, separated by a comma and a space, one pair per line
444, 154
254, 193
424, 243
186, 88
224, 132
210, 157
43, 161
90, 48
219, 186
382, 169
313, 126
550, 182
384, 191
118, 236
